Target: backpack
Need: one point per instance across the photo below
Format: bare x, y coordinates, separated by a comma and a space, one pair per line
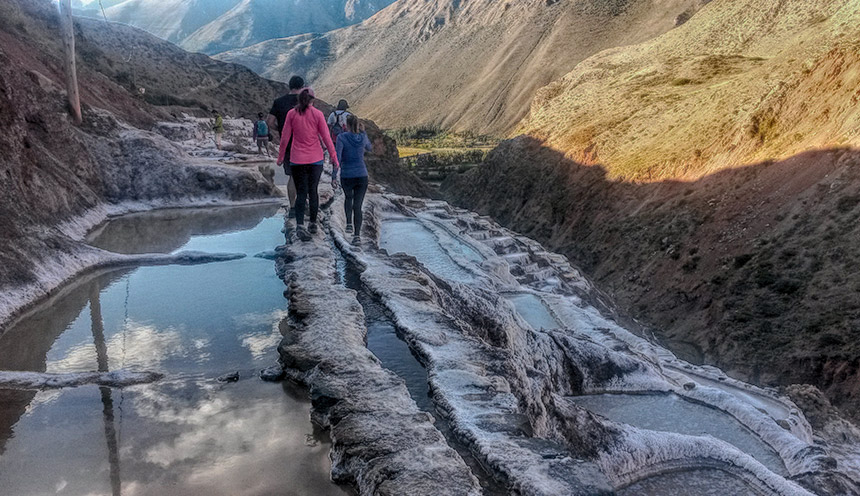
262, 129
338, 127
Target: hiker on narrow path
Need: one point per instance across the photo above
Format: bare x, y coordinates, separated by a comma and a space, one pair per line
307, 126
351, 146
218, 128
261, 135
277, 116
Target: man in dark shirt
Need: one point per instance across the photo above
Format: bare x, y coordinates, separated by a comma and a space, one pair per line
275, 120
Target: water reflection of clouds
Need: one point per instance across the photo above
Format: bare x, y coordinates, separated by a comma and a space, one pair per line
225, 440
262, 342
43, 398
140, 346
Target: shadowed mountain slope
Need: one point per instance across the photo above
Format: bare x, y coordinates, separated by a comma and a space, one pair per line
212, 26
752, 269
172, 20
253, 21
709, 181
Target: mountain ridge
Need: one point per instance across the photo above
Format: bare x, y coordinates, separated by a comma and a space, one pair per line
484, 59
212, 26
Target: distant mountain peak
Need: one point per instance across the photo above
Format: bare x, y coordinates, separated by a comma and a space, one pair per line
213, 26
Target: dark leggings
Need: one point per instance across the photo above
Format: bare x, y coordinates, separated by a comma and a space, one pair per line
307, 179
354, 189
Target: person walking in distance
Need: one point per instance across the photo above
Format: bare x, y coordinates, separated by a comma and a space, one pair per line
276, 118
307, 126
261, 135
337, 120
218, 128
351, 146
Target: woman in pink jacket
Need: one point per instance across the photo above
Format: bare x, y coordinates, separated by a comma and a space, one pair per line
307, 126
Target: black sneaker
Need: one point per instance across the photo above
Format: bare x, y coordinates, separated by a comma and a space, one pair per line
302, 233
356, 240
312, 228
348, 229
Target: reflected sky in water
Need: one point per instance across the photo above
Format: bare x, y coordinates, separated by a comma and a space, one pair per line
187, 434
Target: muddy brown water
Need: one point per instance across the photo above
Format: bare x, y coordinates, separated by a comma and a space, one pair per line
187, 434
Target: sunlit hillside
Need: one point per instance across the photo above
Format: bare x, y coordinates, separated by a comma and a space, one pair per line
742, 81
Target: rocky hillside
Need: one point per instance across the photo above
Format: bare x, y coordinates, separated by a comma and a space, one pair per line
172, 20
53, 172
253, 21
464, 64
709, 181
212, 26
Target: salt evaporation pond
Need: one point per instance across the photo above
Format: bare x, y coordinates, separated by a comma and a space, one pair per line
188, 433
671, 413
701, 482
533, 310
412, 238
458, 246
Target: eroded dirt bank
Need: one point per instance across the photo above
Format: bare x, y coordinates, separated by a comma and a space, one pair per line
750, 269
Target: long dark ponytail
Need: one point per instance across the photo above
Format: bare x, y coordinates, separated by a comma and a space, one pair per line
305, 100
352, 123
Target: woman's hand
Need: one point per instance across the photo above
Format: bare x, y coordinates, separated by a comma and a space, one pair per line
334, 183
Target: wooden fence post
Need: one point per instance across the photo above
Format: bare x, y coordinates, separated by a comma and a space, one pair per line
68, 36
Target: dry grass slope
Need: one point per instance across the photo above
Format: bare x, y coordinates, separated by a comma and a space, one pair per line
743, 81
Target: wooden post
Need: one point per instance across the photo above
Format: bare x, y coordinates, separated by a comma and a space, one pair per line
68, 36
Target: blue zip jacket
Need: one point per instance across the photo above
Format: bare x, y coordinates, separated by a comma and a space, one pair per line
350, 153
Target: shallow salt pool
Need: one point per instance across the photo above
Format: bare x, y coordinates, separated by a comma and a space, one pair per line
533, 310
671, 413
188, 433
702, 482
412, 238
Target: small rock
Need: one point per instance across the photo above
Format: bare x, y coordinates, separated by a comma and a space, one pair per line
689, 386
784, 424
231, 377
274, 373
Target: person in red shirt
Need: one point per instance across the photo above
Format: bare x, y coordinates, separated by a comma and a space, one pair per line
307, 126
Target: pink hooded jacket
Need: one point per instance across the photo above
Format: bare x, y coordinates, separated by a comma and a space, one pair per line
306, 130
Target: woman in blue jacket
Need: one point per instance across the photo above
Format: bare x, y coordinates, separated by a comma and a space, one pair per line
351, 146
